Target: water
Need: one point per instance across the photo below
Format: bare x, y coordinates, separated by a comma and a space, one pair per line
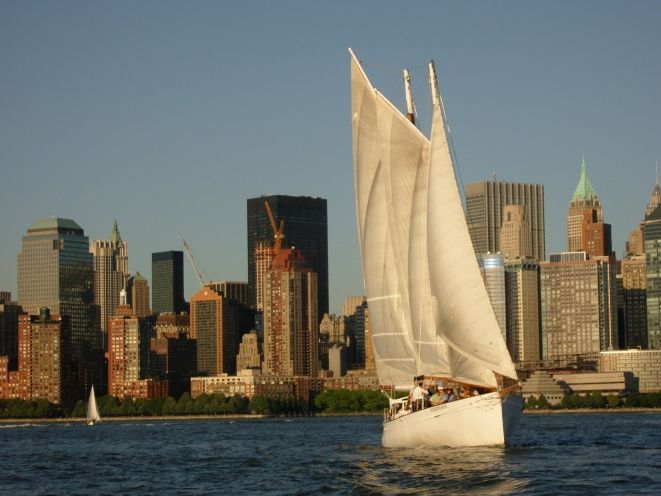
550, 454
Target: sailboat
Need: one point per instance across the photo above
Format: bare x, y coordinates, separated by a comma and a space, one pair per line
93, 416
431, 318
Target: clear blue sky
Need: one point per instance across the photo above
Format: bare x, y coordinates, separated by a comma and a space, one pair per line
167, 116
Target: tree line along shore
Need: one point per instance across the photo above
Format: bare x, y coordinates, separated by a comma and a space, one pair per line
330, 402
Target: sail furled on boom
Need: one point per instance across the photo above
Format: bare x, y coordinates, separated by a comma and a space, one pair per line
464, 315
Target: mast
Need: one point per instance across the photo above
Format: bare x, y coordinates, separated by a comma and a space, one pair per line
410, 108
433, 82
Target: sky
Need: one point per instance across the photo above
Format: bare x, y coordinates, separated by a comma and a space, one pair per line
167, 116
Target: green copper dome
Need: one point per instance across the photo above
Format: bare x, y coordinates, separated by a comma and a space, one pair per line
584, 189
115, 237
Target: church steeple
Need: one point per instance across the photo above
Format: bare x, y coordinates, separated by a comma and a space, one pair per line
115, 237
584, 189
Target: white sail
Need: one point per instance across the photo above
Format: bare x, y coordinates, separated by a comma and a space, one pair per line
92, 411
393, 353
465, 317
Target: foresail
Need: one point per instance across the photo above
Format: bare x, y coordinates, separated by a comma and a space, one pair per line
391, 340
465, 317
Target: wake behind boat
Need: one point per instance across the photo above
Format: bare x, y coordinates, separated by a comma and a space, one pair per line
431, 317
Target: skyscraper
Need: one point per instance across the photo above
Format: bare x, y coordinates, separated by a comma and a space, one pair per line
305, 228
652, 231
138, 294
111, 272
167, 275
522, 297
291, 323
578, 306
492, 267
213, 322
485, 204
55, 271
584, 199
515, 233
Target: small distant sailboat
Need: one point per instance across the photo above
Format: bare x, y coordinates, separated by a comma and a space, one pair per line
431, 317
93, 416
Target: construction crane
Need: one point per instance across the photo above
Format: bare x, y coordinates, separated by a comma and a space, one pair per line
193, 263
278, 233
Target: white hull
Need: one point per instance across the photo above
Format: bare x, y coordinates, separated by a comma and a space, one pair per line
484, 420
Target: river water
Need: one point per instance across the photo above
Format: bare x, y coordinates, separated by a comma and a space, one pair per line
550, 454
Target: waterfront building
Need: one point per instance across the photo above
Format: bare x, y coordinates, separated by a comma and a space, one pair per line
492, 266
305, 228
644, 364
584, 198
213, 323
124, 357
111, 273
250, 382
173, 357
615, 382
354, 380
523, 326
138, 295
55, 271
578, 307
40, 373
167, 274
291, 323
250, 353
542, 383
485, 206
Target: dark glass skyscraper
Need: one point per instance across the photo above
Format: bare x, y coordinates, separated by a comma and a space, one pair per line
167, 274
305, 227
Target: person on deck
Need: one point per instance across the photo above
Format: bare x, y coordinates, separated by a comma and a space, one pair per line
450, 393
439, 397
418, 397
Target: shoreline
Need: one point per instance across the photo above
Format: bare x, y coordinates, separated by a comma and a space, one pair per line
244, 416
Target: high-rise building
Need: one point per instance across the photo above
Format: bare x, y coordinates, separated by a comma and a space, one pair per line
128, 350
111, 272
485, 205
213, 323
492, 267
305, 228
515, 241
173, 357
522, 298
291, 323
584, 198
358, 332
40, 359
167, 275
652, 229
578, 306
55, 271
138, 295
634, 296
5, 296
263, 258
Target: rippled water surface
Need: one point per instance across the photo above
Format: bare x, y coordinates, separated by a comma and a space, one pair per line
550, 454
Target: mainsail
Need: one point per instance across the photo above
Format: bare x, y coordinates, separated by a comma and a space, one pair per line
403, 181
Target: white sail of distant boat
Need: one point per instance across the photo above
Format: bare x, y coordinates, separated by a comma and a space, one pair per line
429, 311
92, 412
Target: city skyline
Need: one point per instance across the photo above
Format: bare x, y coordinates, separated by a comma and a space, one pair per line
169, 117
